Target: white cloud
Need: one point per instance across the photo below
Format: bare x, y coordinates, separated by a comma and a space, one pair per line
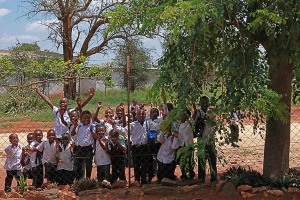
4, 11
39, 26
14, 38
1, 1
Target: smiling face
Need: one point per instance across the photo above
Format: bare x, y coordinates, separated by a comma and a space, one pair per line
141, 115
100, 131
38, 134
51, 135
109, 113
14, 140
74, 116
65, 139
64, 103
30, 138
86, 119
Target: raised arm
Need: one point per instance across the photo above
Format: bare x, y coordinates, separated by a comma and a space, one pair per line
95, 117
45, 98
91, 95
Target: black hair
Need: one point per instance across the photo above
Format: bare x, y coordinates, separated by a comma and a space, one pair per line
66, 134
86, 112
114, 134
204, 99
156, 110
170, 106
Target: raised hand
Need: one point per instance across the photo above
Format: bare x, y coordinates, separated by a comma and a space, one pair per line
92, 92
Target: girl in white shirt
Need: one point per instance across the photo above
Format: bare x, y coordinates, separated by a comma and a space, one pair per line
13, 161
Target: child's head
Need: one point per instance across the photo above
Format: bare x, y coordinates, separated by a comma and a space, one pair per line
109, 113
100, 129
184, 115
130, 117
30, 138
51, 135
141, 115
154, 113
86, 117
114, 135
13, 139
204, 102
119, 112
38, 135
74, 116
65, 139
64, 103
170, 107
134, 101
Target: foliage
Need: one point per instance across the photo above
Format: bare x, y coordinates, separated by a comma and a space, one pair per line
84, 184
241, 176
23, 186
140, 62
285, 181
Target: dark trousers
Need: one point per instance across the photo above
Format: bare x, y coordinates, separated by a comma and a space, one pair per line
10, 174
38, 176
103, 172
50, 172
83, 158
27, 173
152, 160
165, 170
118, 168
140, 158
188, 173
211, 156
65, 177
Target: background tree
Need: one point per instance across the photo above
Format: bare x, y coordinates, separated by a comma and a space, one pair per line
140, 62
226, 37
78, 26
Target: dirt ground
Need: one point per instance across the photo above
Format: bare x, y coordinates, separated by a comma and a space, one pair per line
250, 154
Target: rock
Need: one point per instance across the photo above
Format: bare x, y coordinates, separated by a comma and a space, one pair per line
49, 194
160, 191
91, 192
283, 189
255, 190
276, 193
263, 188
65, 188
14, 195
168, 182
220, 185
119, 193
35, 195
66, 195
229, 191
247, 194
293, 190
119, 184
190, 189
244, 188
3, 194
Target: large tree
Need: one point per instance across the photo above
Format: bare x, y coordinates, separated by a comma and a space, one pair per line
78, 26
249, 47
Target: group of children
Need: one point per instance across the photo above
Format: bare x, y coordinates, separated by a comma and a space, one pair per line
79, 137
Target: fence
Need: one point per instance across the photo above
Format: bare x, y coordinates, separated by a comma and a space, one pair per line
104, 157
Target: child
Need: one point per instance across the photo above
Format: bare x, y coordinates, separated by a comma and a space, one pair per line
83, 150
207, 132
166, 155
134, 107
62, 121
109, 121
102, 159
74, 118
49, 159
139, 147
185, 138
36, 159
27, 171
13, 161
117, 152
65, 163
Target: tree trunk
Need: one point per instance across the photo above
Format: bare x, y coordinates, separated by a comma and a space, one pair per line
277, 143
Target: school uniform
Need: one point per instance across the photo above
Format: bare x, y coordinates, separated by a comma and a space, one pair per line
12, 165
166, 157
139, 151
83, 150
117, 157
102, 160
37, 166
185, 138
65, 166
59, 127
49, 159
25, 162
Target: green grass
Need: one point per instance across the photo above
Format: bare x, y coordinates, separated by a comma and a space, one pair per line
112, 98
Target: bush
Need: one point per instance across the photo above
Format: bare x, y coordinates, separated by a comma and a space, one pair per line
84, 184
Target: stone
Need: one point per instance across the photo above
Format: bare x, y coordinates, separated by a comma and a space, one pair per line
91, 192
255, 190
244, 188
168, 182
263, 188
247, 194
119, 193
62, 195
229, 190
220, 185
119, 184
276, 193
283, 189
160, 191
3, 194
293, 190
14, 195
34, 195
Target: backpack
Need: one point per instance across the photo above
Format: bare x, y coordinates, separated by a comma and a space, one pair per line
151, 136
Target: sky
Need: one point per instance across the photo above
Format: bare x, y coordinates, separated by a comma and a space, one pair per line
16, 28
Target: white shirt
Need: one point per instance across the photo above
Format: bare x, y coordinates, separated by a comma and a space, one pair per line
138, 133
166, 153
32, 155
65, 158
49, 152
84, 135
208, 128
101, 156
59, 127
13, 157
185, 136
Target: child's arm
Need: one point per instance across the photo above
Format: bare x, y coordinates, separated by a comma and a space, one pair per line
58, 147
62, 112
123, 120
175, 143
8, 149
91, 95
79, 107
160, 138
74, 130
45, 98
95, 117
121, 147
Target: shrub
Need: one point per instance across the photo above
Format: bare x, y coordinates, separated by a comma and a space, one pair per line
84, 184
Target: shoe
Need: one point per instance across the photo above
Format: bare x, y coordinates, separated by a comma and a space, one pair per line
106, 183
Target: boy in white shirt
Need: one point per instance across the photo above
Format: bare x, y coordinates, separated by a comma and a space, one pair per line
36, 159
49, 158
13, 161
27, 171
